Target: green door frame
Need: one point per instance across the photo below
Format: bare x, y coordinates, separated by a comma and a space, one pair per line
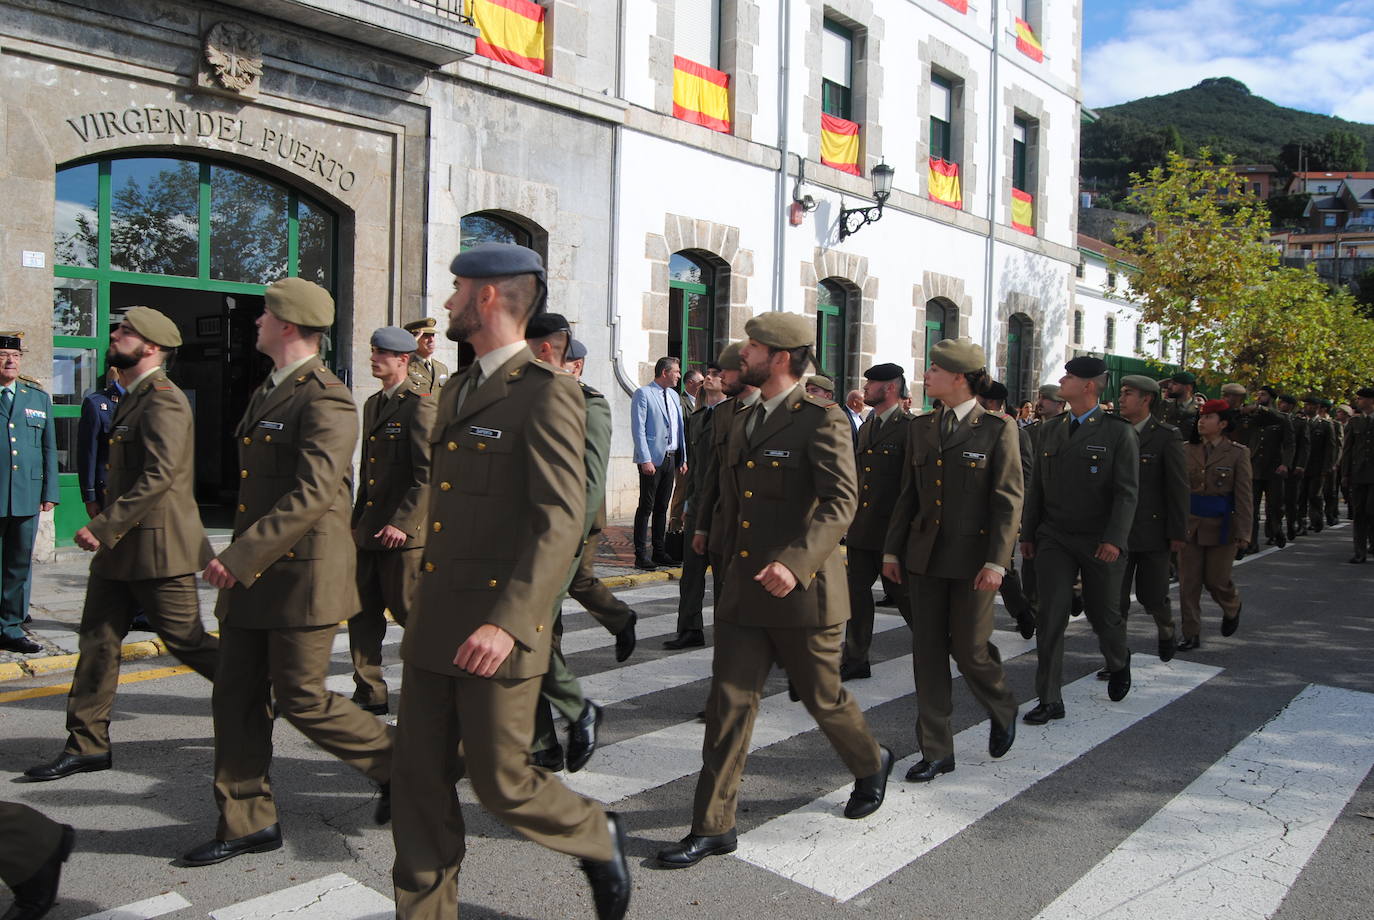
685, 328
826, 293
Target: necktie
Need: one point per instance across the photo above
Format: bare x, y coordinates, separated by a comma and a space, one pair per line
755, 421
947, 424
1073, 425
7, 400
469, 387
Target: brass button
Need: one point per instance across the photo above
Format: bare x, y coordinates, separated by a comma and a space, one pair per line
291, 554
748, 494
775, 463
444, 487
243, 507
491, 583
371, 459
369, 504
939, 482
938, 502
243, 474
481, 445
869, 451
247, 440
372, 438
744, 524
372, 482
865, 487
868, 469
939, 463
268, 438
937, 523
452, 445
539, 628
744, 554
257, 574
983, 532
438, 526
972, 464
865, 504
112, 440
750, 464
429, 567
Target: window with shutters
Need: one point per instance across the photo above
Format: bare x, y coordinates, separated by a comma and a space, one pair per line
942, 118
691, 310
832, 324
696, 32
837, 70
1111, 334
1078, 327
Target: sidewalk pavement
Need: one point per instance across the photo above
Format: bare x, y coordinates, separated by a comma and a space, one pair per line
58, 592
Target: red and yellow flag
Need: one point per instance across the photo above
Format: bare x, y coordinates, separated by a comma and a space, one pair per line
840, 144
1026, 42
1022, 211
960, 5
512, 32
701, 95
944, 183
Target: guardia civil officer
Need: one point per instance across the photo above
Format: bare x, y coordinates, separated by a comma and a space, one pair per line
388, 521
428, 371
508, 513
951, 536
881, 458
33, 848
1079, 510
148, 541
1357, 472
789, 486
287, 578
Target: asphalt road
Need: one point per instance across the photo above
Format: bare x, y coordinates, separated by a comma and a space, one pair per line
1232, 783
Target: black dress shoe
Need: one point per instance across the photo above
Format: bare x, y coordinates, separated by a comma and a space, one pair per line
869, 791
644, 562
35, 897
1166, 649
217, 851
1025, 624
662, 558
1043, 712
792, 693
66, 764
382, 814
692, 638
549, 758
582, 736
1229, 625
1188, 643
1000, 739
887, 601
1119, 682
855, 670
1279, 541
23, 645
625, 639
923, 771
1357, 559
610, 879
1076, 605
693, 848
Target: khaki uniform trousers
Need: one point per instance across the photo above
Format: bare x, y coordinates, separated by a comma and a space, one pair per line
1210, 567
27, 840
492, 720
171, 605
862, 568
292, 663
743, 657
607, 609
387, 580
559, 689
1149, 570
952, 619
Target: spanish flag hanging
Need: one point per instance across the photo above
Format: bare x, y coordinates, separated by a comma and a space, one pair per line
701, 95
1022, 211
960, 5
512, 32
944, 183
840, 144
1026, 42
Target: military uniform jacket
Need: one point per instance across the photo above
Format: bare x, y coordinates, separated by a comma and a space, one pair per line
960, 502
1302, 441
93, 441
1182, 414
1225, 472
699, 425
393, 467
881, 459
292, 552
1085, 482
508, 497
431, 378
791, 492
30, 476
1357, 454
598, 455
1161, 512
708, 516
150, 526
1321, 454
1269, 435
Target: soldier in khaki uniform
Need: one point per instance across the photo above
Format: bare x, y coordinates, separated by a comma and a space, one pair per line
1220, 507
287, 578
1268, 434
1181, 404
1321, 457
1287, 405
389, 511
953, 532
788, 481
692, 585
33, 848
1357, 472
148, 541
429, 372
881, 458
508, 513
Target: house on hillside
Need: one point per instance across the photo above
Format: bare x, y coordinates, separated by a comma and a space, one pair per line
1320, 183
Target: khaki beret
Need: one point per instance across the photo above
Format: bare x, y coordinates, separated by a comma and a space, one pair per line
418, 326
295, 300
819, 380
1344, 408
958, 356
154, 326
1141, 383
781, 330
729, 357
1051, 391
1232, 389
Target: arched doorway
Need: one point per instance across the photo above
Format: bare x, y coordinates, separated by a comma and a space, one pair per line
836, 306
1020, 334
199, 240
694, 282
942, 322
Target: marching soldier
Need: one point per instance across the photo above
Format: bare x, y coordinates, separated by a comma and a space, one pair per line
286, 578
1268, 434
1342, 415
1357, 472
1287, 406
953, 532
789, 484
692, 585
993, 399
429, 372
1319, 461
508, 513
1331, 485
388, 520
33, 848
1048, 405
148, 541
881, 461
1181, 405
1079, 510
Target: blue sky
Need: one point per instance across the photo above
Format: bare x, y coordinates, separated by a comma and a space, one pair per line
1311, 55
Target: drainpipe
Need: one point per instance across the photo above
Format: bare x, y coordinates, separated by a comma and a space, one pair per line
612, 261
780, 193
994, 179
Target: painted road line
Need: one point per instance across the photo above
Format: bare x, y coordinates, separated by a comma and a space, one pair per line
817, 847
657, 758
1230, 845
334, 897
124, 678
145, 909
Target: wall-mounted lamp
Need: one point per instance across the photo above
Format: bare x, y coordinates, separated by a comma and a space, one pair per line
851, 219
803, 202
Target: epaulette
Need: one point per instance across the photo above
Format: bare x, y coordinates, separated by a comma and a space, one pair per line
325, 376
30, 381
590, 392
818, 401
1115, 416
542, 365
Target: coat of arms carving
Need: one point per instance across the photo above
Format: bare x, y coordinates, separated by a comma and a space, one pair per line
234, 55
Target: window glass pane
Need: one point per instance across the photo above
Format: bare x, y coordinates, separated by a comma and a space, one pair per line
698, 349
75, 221
155, 216
65, 430
73, 306
681, 268
1018, 131
248, 227
939, 139
73, 374
315, 248
481, 228
698, 312
836, 54
835, 100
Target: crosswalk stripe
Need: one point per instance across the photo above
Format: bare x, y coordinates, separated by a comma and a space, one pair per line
1233, 842
815, 846
334, 897
145, 909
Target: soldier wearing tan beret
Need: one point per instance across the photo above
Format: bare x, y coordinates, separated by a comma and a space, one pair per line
428, 371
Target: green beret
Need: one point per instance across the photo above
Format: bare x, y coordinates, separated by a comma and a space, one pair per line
420, 326
295, 300
1232, 389
884, 372
958, 356
1185, 378
1051, 391
825, 383
1141, 383
154, 326
729, 357
997, 390
781, 330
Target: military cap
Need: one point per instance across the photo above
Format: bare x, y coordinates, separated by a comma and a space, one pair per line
1051, 391
1214, 407
495, 260
1141, 383
781, 330
884, 372
1365, 392
1271, 390
154, 326
393, 338
295, 300
996, 389
958, 356
1326, 403
825, 383
1312, 398
576, 350
1086, 366
547, 324
729, 357
1288, 398
1232, 389
421, 326
1343, 408
1185, 378
12, 340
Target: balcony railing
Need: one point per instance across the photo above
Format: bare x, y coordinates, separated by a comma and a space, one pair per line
437, 32
448, 9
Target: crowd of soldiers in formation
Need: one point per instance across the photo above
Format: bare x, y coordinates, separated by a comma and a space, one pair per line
785, 496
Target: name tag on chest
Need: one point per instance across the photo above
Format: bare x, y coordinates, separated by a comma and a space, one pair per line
777, 453
974, 455
121, 429
479, 432
35, 413
271, 426
393, 428
1102, 450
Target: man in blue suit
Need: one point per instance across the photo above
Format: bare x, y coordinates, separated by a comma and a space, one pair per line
93, 443
28, 485
660, 452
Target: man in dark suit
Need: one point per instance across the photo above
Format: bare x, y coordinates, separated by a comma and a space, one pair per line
93, 442
660, 451
692, 593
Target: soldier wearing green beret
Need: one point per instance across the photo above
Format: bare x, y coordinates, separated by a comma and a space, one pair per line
1292, 487
1331, 486
1180, 403
1268, 434
1357, 472
1320, 457
429, 372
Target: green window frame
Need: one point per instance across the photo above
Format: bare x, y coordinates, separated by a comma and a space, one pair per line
1021, 135
832, 325
837, 79
938, 328
691, 311
941, 128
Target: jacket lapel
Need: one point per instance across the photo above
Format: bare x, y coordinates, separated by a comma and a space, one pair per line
262, 406
494, 388
384, 408
778, 419
967, 428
